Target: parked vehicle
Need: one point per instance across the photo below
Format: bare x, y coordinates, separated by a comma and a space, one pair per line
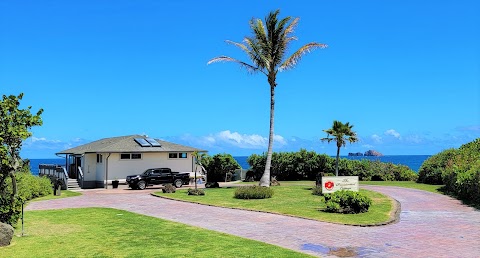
158, 176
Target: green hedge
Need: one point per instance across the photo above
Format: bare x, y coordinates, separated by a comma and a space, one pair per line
431, 170
253, 192
458, 169
28, 187
462, 173
305, 165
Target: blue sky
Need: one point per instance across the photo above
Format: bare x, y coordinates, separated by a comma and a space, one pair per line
406, 74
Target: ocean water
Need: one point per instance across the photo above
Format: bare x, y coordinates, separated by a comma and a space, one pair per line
412, 161
35, 162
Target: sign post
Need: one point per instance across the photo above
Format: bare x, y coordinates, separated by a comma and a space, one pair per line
331, 184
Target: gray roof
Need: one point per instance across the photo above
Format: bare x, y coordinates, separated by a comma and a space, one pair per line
123, 144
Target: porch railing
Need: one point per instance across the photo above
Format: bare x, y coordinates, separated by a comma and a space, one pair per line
56, 171
80, 177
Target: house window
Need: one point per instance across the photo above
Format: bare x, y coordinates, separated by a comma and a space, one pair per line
130, 156
177, 155
99, 158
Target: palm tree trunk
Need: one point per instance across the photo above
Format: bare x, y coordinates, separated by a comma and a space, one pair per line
265, 180
338, 157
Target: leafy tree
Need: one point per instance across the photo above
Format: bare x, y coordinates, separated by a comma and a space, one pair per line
219, 166
14, 129
340, 133
266, 48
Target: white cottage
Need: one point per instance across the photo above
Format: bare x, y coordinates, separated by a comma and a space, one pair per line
99, 162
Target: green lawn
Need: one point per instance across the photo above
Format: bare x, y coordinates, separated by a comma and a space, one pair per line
103, 232
293, 198
63, 194
406, 184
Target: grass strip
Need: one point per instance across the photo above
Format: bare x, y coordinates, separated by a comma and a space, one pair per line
104, 232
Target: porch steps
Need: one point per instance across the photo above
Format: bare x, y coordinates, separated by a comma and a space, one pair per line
73, 185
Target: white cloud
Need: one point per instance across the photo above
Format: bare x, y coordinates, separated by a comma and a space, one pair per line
393, 133
367, 146
414, 139
376, 138
253, 141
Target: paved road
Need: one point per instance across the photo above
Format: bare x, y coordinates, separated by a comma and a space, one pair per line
431, 225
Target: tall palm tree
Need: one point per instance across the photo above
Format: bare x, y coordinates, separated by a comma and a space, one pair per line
341, 133
266, 48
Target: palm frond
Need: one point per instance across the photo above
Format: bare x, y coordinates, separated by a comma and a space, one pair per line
291, 27
290, 62
250, 68
239, 45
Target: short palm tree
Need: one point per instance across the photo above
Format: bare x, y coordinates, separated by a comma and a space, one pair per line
266, 49
197, 156
341, 133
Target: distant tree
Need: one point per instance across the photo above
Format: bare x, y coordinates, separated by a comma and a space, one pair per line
14, 129
220, 166
267, 49
340, 133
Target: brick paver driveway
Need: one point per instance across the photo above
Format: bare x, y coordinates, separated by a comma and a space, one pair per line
431, 225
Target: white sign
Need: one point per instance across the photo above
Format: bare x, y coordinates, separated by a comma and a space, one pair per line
332, 184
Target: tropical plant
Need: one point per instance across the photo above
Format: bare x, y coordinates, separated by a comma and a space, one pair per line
340, 133
14, 129
267, 49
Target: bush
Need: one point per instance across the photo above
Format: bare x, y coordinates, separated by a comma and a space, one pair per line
169, 188
306, 165
462, 174
196, 191
253, 192
431, 170
347, 202
28, 187
317, 190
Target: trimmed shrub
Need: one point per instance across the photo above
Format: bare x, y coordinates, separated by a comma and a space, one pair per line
169, 188
347, 202
197, 191
253, 192
317, 190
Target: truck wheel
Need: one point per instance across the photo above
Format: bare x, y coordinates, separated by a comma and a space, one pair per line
178, 183
141, 185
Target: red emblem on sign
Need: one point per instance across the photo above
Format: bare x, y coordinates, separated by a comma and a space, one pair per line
329, 185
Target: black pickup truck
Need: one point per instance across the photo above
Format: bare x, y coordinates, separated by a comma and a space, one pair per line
158, 176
